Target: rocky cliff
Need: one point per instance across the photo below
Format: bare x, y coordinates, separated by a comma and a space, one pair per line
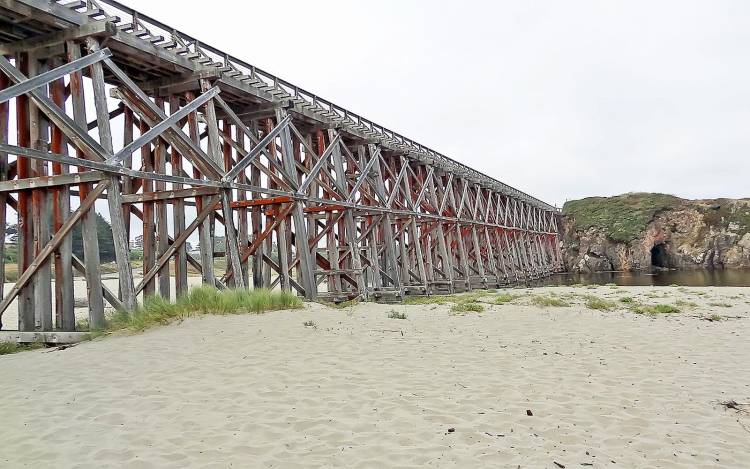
645, 231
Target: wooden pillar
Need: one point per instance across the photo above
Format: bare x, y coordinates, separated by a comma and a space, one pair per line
178, 214
64, 297
162, 231
114, 192
4, 119
298, 217
149, 225
88, 221
205, 238
230, 234
256, 220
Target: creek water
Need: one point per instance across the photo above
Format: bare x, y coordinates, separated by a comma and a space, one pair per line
688, 278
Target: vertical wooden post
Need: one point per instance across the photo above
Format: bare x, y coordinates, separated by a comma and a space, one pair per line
205, 238
114, 192
149, 226
230, 234
178, 214
64, 298
162, 230
127, 182
256, 219
419, 259
4, 118
348, 227
242, 212
446, 262
298, 217
88, 221
42, 279
387, 225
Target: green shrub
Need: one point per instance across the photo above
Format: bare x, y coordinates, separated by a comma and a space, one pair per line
427, 300
594, 302
8, 347
662, 309
656, 309
396, 315
504, 298
547, 301
627, 299
465, 307
623, 217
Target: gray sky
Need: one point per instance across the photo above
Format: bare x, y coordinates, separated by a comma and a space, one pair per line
560, 99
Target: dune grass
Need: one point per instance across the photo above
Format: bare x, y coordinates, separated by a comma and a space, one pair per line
594, 302
202, 300
428, 300
467, 307
6, 347
505, 298
686, 304
393, 314
656, 309
546, 301
472, 297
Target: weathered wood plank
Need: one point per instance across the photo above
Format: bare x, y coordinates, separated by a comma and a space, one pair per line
64, 297
88, 223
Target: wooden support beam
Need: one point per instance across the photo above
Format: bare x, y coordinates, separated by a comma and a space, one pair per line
39, 182
101, 28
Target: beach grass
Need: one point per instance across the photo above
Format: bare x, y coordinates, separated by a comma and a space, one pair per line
7, 347
686, 304
202, 300
505, 298
428, 300
467, 307
594, 302
656, 309
550, 300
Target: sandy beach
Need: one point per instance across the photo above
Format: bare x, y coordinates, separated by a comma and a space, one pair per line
517, 385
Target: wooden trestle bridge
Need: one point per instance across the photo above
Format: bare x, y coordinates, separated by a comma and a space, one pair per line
174, 137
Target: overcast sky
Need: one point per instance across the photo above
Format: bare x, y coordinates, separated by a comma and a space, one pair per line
560, 99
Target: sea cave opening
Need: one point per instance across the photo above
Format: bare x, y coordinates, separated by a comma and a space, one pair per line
659, 256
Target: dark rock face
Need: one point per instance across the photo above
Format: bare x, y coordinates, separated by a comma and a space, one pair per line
691, 234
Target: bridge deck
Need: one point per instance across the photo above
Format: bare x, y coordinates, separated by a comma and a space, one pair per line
282, 186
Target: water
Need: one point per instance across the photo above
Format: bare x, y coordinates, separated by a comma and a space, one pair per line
688, 278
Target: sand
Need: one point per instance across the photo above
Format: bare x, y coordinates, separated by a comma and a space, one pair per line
606, 389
